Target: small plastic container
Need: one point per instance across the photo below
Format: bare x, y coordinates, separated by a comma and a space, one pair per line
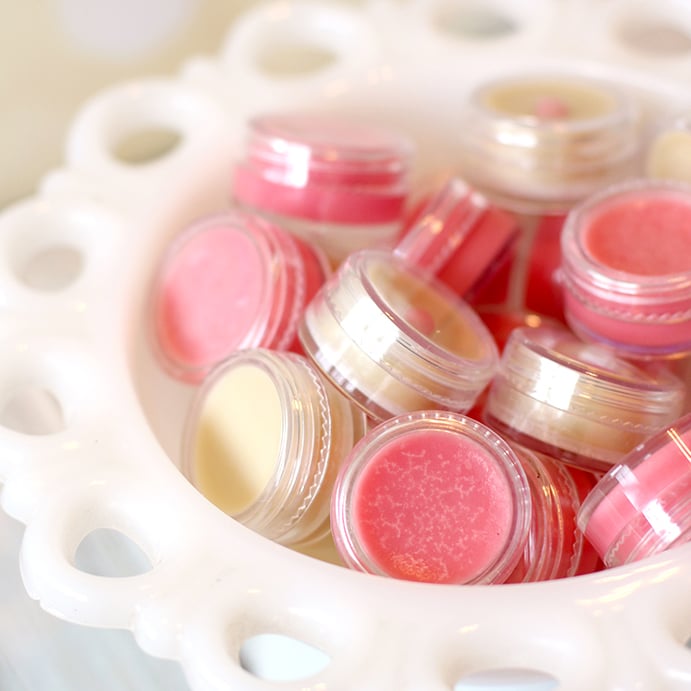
555, 548
264, 439
396, 340
626, 262
459, 237
340, 183
539, 143
432, 496
668, 156
228, 282
642, 506
575, 401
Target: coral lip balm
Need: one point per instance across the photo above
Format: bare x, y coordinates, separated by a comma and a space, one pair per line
643, 505
460, 237
340, 183
576, 401
264, 439
626, 261
538, 143
432, 496
396, 340
228, 282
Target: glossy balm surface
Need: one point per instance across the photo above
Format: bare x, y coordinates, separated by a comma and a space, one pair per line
238, 439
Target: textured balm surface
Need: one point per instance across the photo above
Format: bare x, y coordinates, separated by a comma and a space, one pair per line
238, 438
650, 236
432, 506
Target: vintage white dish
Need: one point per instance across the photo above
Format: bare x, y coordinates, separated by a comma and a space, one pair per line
77, 259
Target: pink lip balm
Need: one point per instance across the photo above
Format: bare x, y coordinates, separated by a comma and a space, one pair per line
626, 261
643, 505
432, 496
340, 183
230, 282
459, 237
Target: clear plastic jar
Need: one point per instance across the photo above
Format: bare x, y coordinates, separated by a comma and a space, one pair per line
642, 506
459, 237
555, 547
396, 340
626, 262
338, 182
263, 441
432, 496
228, 282
537, 144
575, 401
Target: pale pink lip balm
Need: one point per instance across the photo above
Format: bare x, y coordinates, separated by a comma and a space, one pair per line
231, 282
626, 261
643, 505
432, 496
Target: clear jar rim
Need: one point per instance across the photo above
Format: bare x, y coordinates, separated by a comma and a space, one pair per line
345, 535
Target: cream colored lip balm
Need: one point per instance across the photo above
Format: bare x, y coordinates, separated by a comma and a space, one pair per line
264, 439
578, 402
396, 340
537, 143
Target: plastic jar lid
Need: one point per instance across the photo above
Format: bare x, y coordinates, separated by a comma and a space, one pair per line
626, 260
396, 340
323, 167
576, 401
263, 441
642, 506
541, 142
457, 236
432, 496
228, 282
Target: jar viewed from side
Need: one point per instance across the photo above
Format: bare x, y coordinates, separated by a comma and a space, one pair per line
578, 402
340, 183
228, 282
642, 506
626, 262
395, 340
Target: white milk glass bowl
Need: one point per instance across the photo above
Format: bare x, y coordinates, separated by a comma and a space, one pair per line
76, 262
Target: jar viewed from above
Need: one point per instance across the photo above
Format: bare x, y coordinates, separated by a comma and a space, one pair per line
264, 438
578, 402
539, 143
626, 261
432, 496
341, 183
396, 340
228, 282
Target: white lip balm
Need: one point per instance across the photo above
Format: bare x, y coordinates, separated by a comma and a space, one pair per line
263, 442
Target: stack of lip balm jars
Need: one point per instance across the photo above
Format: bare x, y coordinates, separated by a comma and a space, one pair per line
485, 386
